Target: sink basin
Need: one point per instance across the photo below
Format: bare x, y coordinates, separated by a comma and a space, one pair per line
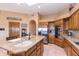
14, 40
24, 43
77, 43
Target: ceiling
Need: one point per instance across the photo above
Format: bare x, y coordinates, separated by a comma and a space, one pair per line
42, 8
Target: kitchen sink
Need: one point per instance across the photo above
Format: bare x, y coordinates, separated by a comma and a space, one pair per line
77, 43
23, 43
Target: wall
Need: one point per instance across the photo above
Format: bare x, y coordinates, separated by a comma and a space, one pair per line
25, 19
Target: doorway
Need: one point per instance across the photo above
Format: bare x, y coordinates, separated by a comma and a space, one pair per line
32, 27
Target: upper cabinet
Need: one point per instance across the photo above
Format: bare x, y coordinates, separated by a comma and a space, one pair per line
58, 23
72, 22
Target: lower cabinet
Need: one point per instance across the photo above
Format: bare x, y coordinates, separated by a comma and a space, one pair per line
51, 38
58, 42
31, 51
70, 49
73, 53
36, 50
67, 48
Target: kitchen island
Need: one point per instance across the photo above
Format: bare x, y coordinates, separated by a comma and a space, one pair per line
32, 47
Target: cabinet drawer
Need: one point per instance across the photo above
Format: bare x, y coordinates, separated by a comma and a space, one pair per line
38, 52
38, 48
38, 44
59, 43
17, 54
31, 50
73, 53
33, 53
75, 50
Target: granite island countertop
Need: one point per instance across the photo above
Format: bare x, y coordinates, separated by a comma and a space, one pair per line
9, 46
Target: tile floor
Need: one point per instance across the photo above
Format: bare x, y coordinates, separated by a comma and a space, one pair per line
53, 50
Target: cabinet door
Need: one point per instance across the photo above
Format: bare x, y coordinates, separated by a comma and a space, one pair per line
59, 42
17, 54
77, 20
33, 53
14, 29
42, 48
67, 48
69, 23
72, 22
73, 53
51, 38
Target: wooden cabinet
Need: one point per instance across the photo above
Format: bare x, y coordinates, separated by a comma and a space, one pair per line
58, 42
36, 50
51, 38
73, 53
14, 29
31, 51
16, 54
58, 22
67, 47
65, 24
74, 21
70, 49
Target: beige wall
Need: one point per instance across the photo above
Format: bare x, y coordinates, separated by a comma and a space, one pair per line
25, 19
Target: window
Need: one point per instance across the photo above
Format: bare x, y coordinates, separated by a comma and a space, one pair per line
42, 31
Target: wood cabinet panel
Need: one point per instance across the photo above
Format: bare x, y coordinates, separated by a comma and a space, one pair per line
70, 49
17, 54
14, 29
74, 21
38, 52
59, 42
67, 48
31, 50
33, 53
51, 38
73, 53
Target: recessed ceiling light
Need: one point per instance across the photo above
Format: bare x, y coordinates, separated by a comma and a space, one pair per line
38, 6
19, 3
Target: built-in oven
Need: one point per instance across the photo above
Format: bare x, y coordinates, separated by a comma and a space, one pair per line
57, 31
23, 29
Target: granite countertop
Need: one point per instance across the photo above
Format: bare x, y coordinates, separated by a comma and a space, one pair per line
8, 46
72, 40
